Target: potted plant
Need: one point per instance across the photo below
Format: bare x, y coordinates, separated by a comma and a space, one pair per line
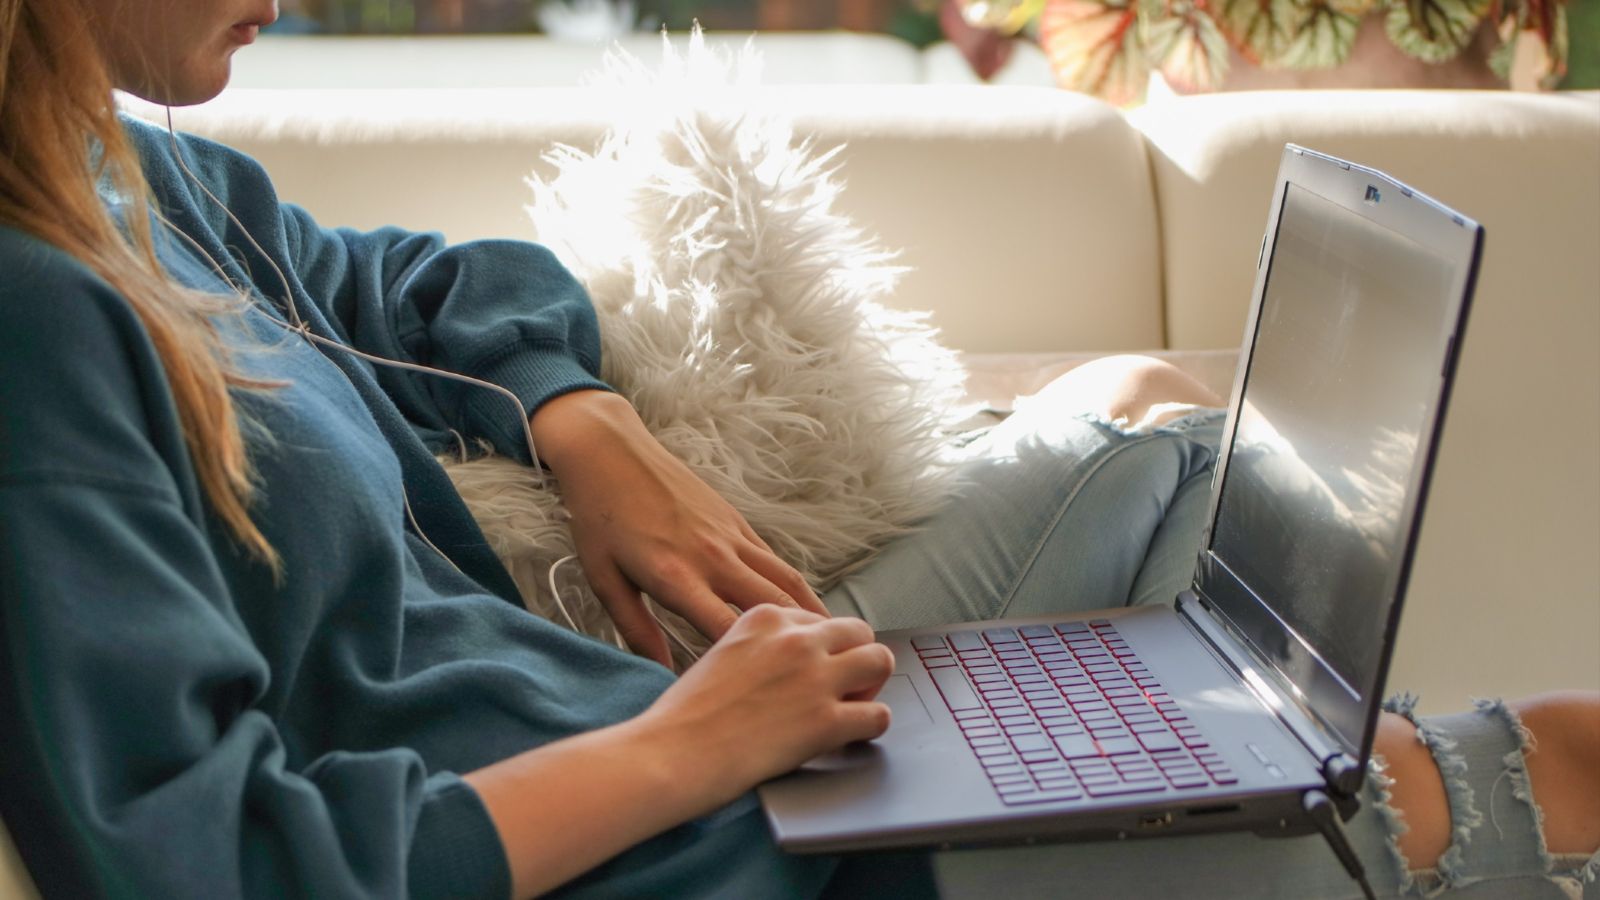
1110, 47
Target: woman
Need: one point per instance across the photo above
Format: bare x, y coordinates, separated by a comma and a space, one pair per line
252, 639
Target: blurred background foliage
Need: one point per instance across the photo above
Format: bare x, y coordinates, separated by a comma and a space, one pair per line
915, 21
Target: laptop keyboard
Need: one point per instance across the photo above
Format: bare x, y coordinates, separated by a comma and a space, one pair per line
1063, 712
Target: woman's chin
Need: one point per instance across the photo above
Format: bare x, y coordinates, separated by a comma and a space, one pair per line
187, 88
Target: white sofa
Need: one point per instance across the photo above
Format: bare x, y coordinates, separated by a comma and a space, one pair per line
1044, 228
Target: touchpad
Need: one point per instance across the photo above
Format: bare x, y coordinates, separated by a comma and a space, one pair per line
905, 704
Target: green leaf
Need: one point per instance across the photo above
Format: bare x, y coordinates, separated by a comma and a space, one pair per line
1261, 29
1095, 46
1323, 41
1189, 48
1434, 30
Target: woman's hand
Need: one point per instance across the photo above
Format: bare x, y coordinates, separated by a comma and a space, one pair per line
783, 686
643, 522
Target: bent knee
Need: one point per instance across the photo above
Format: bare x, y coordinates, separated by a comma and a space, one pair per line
1126, 386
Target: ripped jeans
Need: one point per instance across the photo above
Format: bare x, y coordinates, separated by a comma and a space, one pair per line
1062, 513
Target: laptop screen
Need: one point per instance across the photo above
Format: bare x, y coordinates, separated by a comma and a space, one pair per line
1313, 512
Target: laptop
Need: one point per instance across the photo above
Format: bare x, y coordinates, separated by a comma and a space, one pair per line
1258, 687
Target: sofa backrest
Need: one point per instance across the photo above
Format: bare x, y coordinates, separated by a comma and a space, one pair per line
1026, 215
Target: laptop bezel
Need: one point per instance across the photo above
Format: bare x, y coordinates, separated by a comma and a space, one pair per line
1346, 713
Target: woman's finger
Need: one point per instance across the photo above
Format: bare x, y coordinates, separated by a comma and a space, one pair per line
843, 633
860, 721
861, 671
747, 588
629, 613
784, 576
700, 607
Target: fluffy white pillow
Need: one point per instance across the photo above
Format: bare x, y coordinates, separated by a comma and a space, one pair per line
742, 318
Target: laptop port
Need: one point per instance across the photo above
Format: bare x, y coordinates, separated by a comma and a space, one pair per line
1213, 810
1155, 820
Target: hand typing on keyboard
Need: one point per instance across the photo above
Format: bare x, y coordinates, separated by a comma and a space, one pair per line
782, 686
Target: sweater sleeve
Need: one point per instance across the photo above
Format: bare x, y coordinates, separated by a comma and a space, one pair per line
138, 760
506, 312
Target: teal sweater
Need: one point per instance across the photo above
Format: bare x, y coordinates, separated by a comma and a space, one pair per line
177, 725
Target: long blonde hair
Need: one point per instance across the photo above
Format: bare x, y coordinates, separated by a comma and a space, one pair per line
61, 137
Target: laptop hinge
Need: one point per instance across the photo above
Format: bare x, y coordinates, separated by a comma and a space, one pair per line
1340, 770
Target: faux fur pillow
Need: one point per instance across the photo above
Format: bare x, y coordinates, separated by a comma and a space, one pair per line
742, 318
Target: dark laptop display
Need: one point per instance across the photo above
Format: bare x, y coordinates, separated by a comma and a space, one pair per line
1327, 455
1311, 511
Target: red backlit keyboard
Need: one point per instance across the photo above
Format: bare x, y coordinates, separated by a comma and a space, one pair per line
1057, 713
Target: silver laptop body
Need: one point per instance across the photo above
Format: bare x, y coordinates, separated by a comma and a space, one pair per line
1263, 680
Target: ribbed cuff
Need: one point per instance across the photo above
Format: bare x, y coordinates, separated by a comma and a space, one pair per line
537, 374
456, 851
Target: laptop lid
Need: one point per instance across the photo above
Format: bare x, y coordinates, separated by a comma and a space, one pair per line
1360, 299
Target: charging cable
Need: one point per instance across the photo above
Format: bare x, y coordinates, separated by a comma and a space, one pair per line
1321, 810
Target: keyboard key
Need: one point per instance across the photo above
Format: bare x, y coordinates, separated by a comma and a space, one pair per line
1095, 779
999, 768
942, 663
1224, 776
1001, 750
989, 678
975, 713
981, 731
1051, 784
1048, 768
1187, 780
1072, 628
1001, 704
1001, 635
1075, 746
1141, 775
1095, 715
966, 640
1051, 702
1029, 743
1146, 725
1124, 787
1063, 729
1019, 778
1042, 797
1015, 718
1159, 740
1041, 756
957, 693
992, 741
1033, 631
928, 642
1114, 746
1016, 787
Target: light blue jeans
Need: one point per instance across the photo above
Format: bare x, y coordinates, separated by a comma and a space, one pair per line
1060, 513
